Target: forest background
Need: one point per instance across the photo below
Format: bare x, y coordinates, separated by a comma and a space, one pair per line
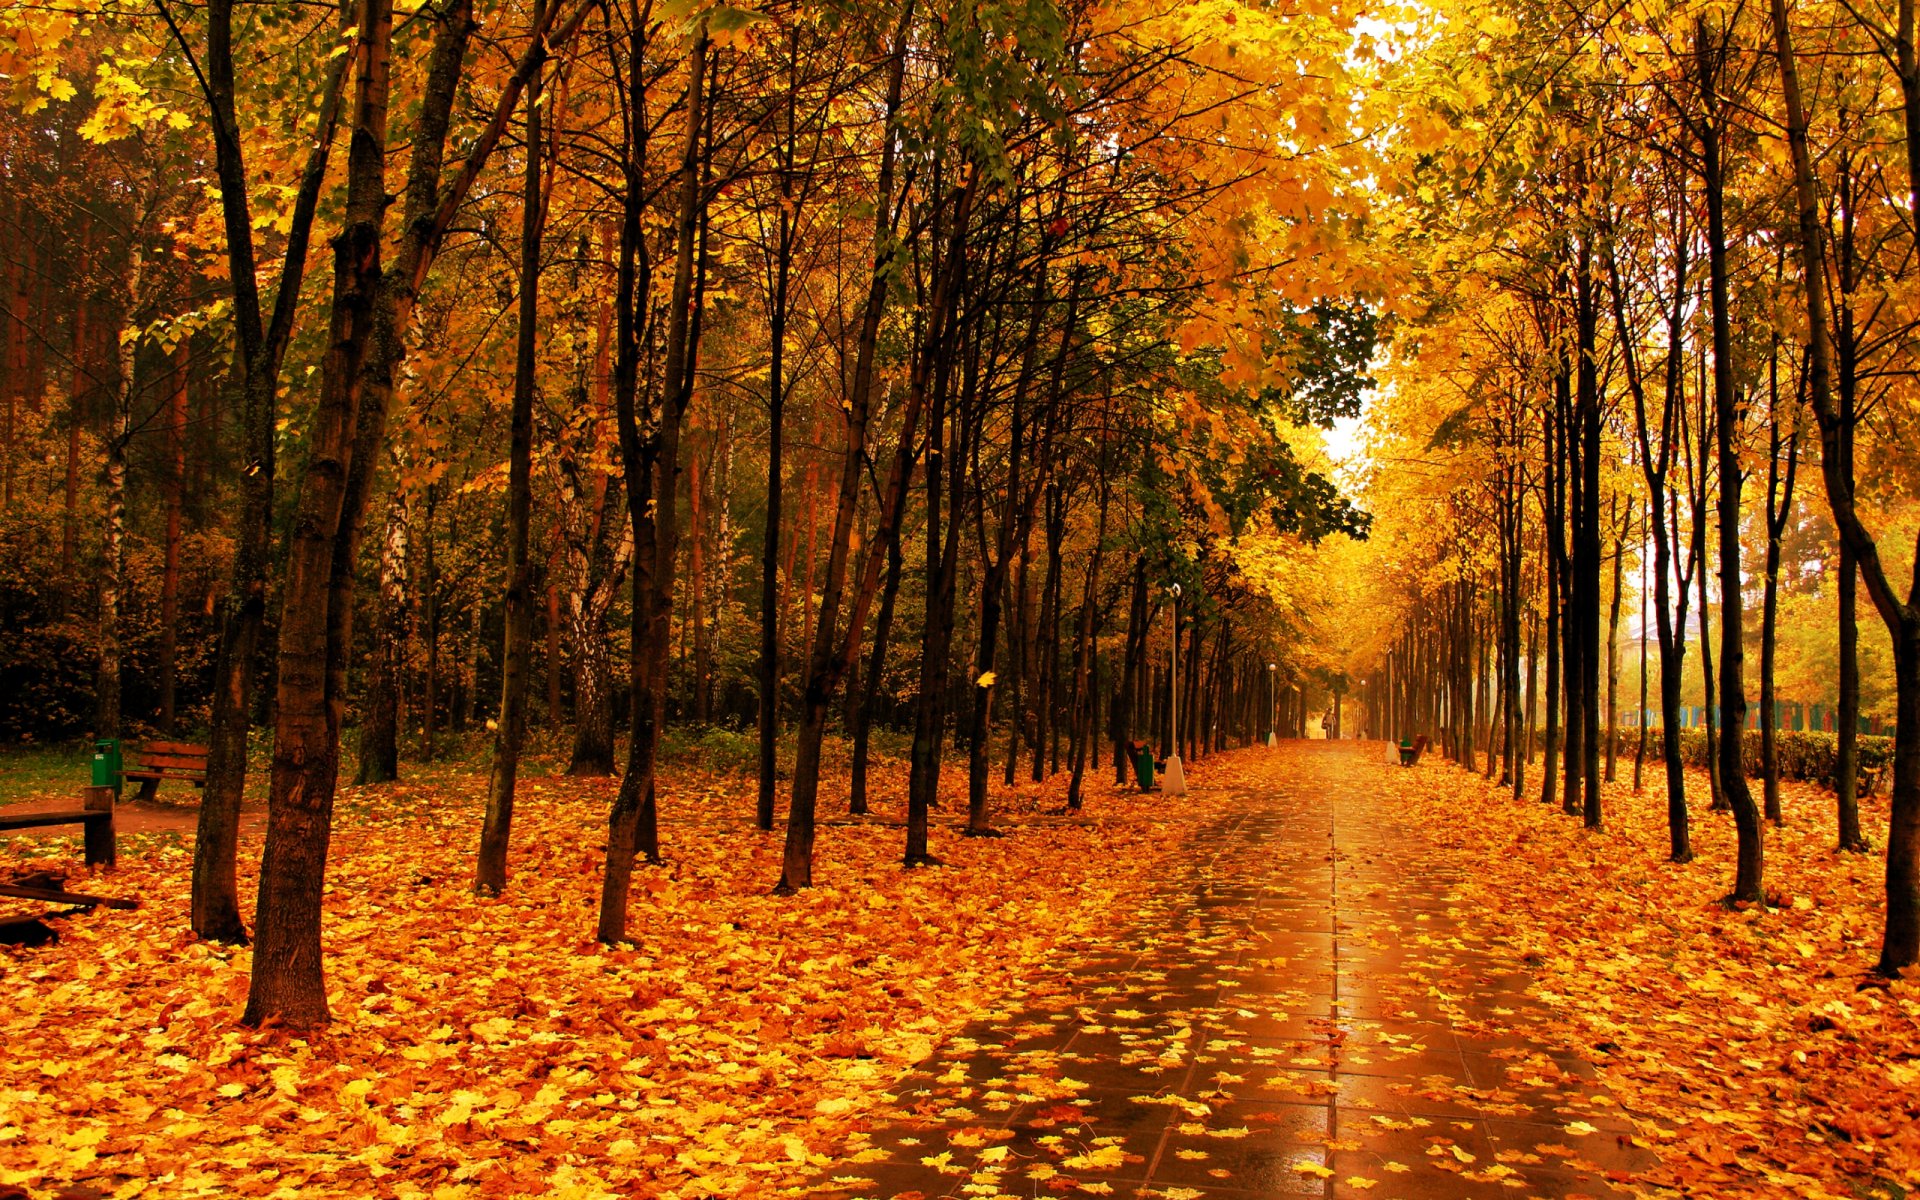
393, 376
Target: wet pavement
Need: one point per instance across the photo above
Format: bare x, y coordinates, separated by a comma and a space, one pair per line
1300, 1009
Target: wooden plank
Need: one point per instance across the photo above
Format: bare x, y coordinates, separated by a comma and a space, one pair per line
101, 847
152, 762
61, 896
187, 748
72, 816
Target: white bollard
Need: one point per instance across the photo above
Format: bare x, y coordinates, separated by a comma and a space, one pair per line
1174, 781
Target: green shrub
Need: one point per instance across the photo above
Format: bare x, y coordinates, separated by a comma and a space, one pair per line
716, 746
1807, 755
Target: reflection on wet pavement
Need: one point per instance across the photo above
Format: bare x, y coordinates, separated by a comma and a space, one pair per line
1300, 1010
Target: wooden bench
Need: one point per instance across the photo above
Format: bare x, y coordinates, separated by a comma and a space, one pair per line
1410, 752
156, 761
1866, 781
94, 816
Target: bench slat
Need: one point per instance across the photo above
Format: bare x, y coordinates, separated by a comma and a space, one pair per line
168, 769
187, 748
64, 817
171, 760
63, 896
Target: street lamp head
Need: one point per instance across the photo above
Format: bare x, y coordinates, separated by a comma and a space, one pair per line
1269, 666
1174, 591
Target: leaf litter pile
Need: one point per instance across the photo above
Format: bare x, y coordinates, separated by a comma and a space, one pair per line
1763, 1055
491, 1048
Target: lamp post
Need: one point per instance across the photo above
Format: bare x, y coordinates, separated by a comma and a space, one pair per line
1273, 707
1174, 782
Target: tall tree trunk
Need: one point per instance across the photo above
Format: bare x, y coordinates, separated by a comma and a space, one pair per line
832, 656
288, 981
1046, 691
1083, 646
875, 679
379, 748
1640, 720
107, 714
1846, 767
516, 654
366, 348
1016, 518
430, 587
653, 490
176, 511
1613, 648
1553, 501
768, 670
1699, 537
1588, 538
1900, 947
551, 621
593, 687
1780, 480
1126, 701
79, 387
1749, 878
1533, 700
943, 542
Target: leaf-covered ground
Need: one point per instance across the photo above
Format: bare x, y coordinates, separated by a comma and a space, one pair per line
1304, 1008
489, 1047
1771, 1062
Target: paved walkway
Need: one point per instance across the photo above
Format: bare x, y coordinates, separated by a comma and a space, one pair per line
1300, 1012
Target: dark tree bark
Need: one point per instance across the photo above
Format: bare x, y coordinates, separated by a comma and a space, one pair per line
1584, 747
651, 468
288, 981
1016, 515
176, 512
1900, 947
1656, 463
1553, 501
379, 744
1846, 382
785, 228
1749, 878
1780, 480
1613, 645
516, 657
830, 658
943, 545
875, 679
1127, 700
1046, 686
372, 307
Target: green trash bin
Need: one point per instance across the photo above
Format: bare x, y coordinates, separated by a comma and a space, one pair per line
106, 764
1143, 767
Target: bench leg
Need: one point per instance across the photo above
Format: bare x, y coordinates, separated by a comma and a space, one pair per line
97, 837
149, 788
